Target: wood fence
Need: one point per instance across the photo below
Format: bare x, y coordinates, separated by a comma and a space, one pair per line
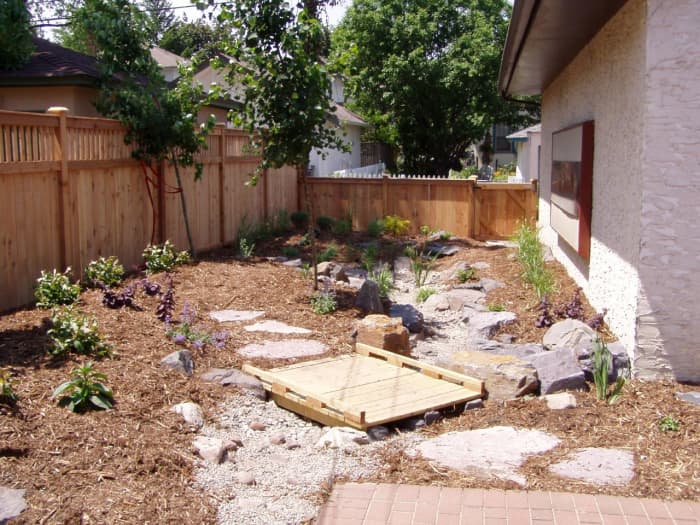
466, 208
71, 192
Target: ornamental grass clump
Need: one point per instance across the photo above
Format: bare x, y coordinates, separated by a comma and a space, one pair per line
602, 363
384, 279
531, 259
84, 390
55, 289
72, 332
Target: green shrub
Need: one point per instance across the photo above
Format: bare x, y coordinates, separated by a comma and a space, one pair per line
324, 303
445, 236
163, 257
375, 228
54, 289
463, 174
84, 390
669, 424
466, 274
330, 253
602, 361
280, 223
107, 271
425, 230
384, 279
254, 232
246, 248
531, 258
396, 226
73, 332
325, 223
291, 252
424, 293
300, 220
7, 395
342, 227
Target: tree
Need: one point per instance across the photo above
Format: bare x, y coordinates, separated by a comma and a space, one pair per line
286, 101
15, 34
160, 121
425, 74
190, 38
160, 18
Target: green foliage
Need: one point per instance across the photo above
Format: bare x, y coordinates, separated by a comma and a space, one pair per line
325, 223
424, 293
342, 227
246, 248
421, 265
7, 394
330, 253
280, 223
375, 228
300, 220
163, 257
669, 424
107, 271
304, 241
496, 307
84, 390
306, 272
15, 34
73, 332
425, 230
445, 236
324, 303
369, 256
425, 74
464, 173
531, 258
602, 361
55, 288
396, 226
384, 279
188, 39
466, 274
160, 18
291, 252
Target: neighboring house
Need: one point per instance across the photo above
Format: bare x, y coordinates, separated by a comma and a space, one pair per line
54, 76
619, 187
527, 144
169, 62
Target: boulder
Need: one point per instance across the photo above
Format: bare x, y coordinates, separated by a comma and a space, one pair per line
438, 302
410, 316
506, 377
483, 324
488, 285
191, 413
569, 333
233, 376
474, 404
378, 433
293, 263
384, 332
338, 274
459, 297
557, 370
368, 298
324, 268
181, 361
561, 401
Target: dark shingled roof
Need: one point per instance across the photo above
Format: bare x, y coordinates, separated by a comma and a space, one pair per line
53, 65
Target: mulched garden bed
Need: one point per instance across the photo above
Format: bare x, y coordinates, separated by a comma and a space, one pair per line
134, 464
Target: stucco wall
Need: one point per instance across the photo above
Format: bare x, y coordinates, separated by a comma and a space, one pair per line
669, 331
338, 160
78, 100
605, 83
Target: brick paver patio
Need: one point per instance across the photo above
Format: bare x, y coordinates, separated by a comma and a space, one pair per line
384, 504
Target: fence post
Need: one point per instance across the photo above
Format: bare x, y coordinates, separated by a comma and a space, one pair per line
476, 207
222, 199
68, 249
385, 195
160, 203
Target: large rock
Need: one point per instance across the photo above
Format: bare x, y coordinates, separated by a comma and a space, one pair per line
368, 298
483, 324
570, 333
11, 503
459, 297
384, 332
557, 371
506, 377
181, 361
233, 376
410, 316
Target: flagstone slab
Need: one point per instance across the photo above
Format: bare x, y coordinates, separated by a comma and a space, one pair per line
598, 466
285, 349
276, 327
225, 316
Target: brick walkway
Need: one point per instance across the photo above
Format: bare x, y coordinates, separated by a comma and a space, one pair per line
381, 504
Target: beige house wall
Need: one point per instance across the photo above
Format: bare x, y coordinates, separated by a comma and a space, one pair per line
78, 100
605, 83
668, 328
336, 160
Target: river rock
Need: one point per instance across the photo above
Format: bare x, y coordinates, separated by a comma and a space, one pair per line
483, 324
180, 361
211, 449
569, 333
191, 413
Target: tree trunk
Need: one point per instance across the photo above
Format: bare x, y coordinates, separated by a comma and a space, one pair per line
183, 204
312, 222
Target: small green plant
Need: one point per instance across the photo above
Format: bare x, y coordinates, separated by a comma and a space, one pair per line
330, 253
445, 236
246, 248
384, 279
7, 395
54, 289
375, 228
107, 271
306, 272
324, 303
602, 361
496, 307
163, 257
325, 223
84, 390
669, 424
531, 258
290, 252
421, 266
73, 332
396, 226
424, 293
466, 274
300, 220
425, 230
369, 256
304, 241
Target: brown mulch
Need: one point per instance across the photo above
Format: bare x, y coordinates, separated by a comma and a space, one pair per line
134, 464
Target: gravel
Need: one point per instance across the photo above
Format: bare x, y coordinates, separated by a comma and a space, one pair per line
267, 484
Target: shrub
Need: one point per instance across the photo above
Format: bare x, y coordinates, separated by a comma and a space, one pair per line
424, 293
669, 424
384, 279
253, 232
463, 174
163, 257
107, 271
54, 289
602, 361
445, 236
396, 226
425, 230
300, 220
72, 332
325, 223
531, 258
342, 227
466, 274
7, 395
84, 390
375, 228
246, 248
290, 252
324, 303
330, 253
280, 223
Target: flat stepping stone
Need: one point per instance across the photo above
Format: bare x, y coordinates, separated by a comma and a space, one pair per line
224, 316
276, 327
284, 349
496, 451
598, 466
11, 503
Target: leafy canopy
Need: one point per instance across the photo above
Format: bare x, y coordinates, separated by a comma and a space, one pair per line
189, 38
424, 73
15, 34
